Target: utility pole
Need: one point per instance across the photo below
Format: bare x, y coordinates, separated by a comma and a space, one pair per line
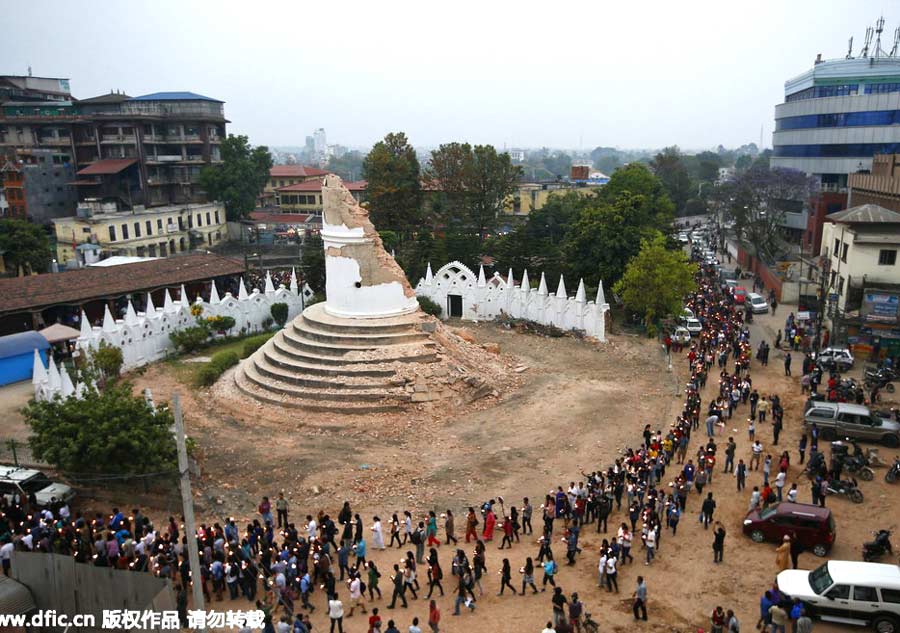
187, 501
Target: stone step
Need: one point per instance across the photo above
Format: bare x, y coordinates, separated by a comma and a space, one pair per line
346, 406
299, 341
268, 363
328, 361
308, 330
318, 366
268, 383
321, 320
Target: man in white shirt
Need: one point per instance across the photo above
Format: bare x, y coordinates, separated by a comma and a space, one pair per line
779, 483
336, 612
651, 545
311, 528
549, 628
601, 569
6, 551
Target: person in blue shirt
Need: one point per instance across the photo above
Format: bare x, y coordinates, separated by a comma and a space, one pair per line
765, 618
115, 523
361, 553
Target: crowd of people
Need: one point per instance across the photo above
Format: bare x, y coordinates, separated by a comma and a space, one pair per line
280, 564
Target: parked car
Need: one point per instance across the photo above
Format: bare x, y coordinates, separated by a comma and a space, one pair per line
740, 294
848, 592
682, 335
24, 481
837, 420
758, 303
835, 357
683, 238
812, 525
692, 325
687, 313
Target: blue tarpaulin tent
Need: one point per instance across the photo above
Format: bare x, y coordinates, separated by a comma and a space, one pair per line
17, 355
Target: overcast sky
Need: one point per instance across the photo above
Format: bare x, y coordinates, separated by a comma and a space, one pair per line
520, 74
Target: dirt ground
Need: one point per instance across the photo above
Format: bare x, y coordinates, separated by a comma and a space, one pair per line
574, 408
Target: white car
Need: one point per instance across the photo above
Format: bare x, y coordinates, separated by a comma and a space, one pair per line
693, 326
682, 335
839, 357
687, 313
848, 592
758, 303
24, 481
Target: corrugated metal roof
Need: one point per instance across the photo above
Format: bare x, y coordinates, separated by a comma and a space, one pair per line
15, 598
21, 343
865, 213
174, 96
107, 166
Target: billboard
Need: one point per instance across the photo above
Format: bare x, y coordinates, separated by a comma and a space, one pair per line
880, 306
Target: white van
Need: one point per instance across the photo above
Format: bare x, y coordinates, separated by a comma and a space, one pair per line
849, 592
758, 303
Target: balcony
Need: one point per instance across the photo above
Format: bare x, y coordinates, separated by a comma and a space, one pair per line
165, 158
55, 141
116, 138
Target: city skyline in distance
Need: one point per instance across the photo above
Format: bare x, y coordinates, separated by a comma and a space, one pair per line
514, 76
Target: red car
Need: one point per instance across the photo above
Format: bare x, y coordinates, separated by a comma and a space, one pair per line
740, 294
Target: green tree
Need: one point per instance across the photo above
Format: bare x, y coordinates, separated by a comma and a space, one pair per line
239, 180
653, 208
743, 162
669, 167
109, 431
279, 313
348, 166
656, 280
394, 186
25, 247
312, 262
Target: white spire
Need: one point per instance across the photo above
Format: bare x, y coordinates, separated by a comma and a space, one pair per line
542, 288
269, 288
167, 302
53, 379
184, 297
66, 387
581, 295
130, 315
214, 294
294, 288
429, 276
38, 372
150, 307
526, 285
561, 289
510, 280
86, 329
601, 298
242, 291
109, 323
481, 281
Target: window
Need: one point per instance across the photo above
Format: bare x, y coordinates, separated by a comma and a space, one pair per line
158, 225
124, 231
217, 217
112, 234
835, 150
839, 592
840, 287
207, 219
890, 595
137, 229
199, 219
865, 594
149, 225
887, 257
190, 221
844, 253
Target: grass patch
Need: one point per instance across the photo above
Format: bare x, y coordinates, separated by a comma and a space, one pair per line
194, 374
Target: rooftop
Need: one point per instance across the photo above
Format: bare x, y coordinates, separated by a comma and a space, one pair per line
264, 217
36, 292
865, 214
295, 171
107, 166
316, 185
112, 97
831, 70
174, 96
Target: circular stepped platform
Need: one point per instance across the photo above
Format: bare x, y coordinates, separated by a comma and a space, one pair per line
320, 362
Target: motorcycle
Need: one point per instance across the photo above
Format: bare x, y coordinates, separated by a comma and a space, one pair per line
880, 379
874, 550
856, 464
893, 473
848, 488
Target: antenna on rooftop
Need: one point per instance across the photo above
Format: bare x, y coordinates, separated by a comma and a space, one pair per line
879, 28
896, 42
865, 49
850, 48
29, 70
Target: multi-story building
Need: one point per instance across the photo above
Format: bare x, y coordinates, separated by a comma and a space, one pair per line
286, 175
859, 253
881, 186
140, 231
138, 150
28, 88
834, 119
37, 185
306, 197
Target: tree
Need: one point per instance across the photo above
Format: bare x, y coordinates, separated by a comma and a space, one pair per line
475, 181
654, 209
394, 186
25, 247
109, 431
348, 166
669, 167
312, 262
279, 313
241, 177
743, 162
756, 201
656, 280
